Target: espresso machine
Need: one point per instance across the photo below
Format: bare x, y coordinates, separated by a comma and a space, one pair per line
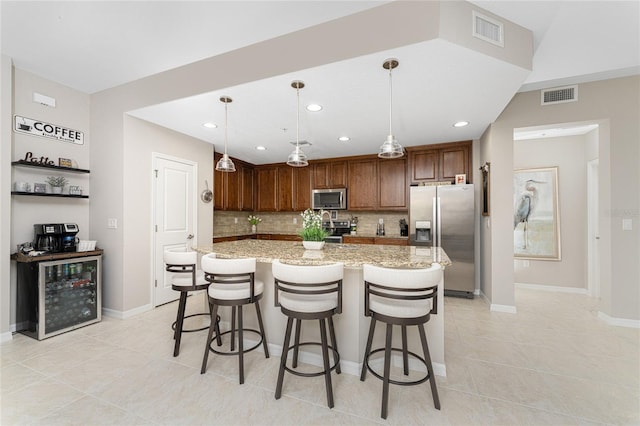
55, 237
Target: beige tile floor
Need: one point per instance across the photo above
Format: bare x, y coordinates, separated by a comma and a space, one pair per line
552, 363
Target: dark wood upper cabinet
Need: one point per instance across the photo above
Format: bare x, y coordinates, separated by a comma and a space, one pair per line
363, 184
330, 174
266, 195
233, 190
284, 185
248, 184
302, 188
392, 184
438, 163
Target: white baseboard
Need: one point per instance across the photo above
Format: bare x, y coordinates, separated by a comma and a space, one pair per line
620, 322
553, 288
6, 336
349, 367
476, 292
509, 309
111, 313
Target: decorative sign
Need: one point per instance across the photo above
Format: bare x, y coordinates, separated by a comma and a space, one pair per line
30, 126
65, 162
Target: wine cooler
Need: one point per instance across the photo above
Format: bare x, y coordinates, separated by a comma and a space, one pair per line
58, 296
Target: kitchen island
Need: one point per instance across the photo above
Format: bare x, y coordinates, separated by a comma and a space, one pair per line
351, 325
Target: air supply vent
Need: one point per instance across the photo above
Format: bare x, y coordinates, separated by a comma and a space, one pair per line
488, 29
559, 95
301, 143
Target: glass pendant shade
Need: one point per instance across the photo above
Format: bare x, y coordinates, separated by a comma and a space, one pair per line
225, 164
390, 148
297, 158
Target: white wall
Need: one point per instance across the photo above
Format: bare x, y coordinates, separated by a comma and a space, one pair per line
569, 155
72, 111
614, 105
6, 101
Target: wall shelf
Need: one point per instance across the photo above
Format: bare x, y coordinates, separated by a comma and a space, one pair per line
46, 194
22, 163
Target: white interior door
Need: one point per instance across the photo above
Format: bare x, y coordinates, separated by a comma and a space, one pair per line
593, 229
175, 219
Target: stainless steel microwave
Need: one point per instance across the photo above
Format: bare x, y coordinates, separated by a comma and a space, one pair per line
329, 199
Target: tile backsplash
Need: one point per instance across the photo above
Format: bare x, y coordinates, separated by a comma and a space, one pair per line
224, 222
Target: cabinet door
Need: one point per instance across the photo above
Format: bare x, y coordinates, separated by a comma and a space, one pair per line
266, 178
454, 161
337, 174
320, 173
218, 185
423, 166
392, 176
363, 185
247, 189
232, 189
285, 188
347, 239
302, 187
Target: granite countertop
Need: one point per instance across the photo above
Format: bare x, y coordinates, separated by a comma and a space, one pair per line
352, 255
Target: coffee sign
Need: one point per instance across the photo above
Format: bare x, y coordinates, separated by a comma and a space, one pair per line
47, 130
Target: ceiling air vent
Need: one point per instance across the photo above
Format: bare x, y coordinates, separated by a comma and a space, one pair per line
301, 143
488, 29
559, 95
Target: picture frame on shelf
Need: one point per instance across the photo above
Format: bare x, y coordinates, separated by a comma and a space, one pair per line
65, 162
461, 179
536, 218
40, 188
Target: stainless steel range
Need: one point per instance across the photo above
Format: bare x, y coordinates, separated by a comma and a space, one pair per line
336, 229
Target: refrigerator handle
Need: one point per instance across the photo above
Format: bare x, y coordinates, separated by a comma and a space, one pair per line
434, 229
438, 223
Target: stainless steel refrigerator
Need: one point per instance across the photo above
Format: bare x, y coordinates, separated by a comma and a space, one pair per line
443, 216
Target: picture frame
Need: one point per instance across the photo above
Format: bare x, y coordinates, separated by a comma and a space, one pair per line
536, 224
65, 162
461, 179
40, 188
486, 185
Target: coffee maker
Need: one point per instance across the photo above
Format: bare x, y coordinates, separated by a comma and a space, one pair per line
55, 237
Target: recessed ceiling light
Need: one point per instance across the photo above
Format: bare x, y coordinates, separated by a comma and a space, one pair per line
461, 124
344, 138
261, 148
210, 125
314, 107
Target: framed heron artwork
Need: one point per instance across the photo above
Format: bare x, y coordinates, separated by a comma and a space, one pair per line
536, 225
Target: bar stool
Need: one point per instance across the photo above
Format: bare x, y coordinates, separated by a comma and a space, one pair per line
185, 279
309, 293
233, 283
401, 297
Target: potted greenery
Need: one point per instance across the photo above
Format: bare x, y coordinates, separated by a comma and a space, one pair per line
57, 183
312, 233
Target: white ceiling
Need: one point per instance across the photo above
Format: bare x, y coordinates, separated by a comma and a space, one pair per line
92, 46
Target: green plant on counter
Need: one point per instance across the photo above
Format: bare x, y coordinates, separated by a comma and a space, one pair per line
312, 226
56, 181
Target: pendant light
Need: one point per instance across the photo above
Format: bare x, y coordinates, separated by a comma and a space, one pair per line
297, 158
225, 164
390, 148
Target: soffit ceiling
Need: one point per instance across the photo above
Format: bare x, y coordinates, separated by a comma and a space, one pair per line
96, 45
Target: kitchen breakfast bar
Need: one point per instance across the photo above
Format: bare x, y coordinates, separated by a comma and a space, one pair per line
351, 326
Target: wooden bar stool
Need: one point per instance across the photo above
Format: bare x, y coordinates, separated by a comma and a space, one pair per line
186, 278
403, 297
233, 283
309, 293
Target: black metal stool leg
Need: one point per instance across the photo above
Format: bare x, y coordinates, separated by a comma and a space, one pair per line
387, 372
217, 321
334, 341
427, 357
405, 354
264, 336
372, 327
283, 357
240, 345
233, 328
179, 322
325, 359
296, 344
212, 327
